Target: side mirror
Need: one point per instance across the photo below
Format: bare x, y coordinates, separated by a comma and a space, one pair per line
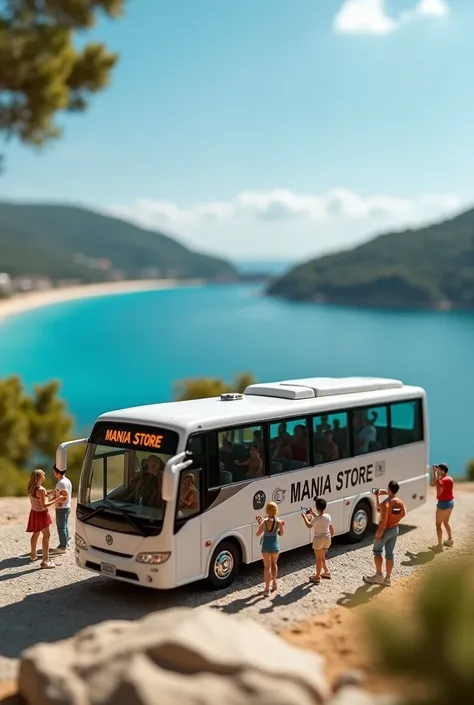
171, 474
61, 452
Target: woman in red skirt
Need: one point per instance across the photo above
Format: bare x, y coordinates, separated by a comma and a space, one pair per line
39, 520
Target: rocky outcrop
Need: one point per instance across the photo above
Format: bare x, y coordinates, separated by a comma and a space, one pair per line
190, 657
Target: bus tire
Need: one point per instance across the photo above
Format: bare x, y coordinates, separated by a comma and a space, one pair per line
225, 565
361, 522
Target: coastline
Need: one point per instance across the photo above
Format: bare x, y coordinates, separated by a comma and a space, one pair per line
22, 303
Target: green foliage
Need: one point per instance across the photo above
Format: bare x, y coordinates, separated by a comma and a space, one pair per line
436, 650
42, 72
470, 470
32, 427
14, 422
44, 240
49, 421
204, 387
12, 481
421, 268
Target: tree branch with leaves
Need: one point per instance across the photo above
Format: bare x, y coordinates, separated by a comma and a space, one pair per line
42, 72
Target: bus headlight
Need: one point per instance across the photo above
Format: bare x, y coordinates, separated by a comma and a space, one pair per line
80, 543
153, 558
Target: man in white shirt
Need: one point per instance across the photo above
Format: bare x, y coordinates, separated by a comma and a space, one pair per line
63, 509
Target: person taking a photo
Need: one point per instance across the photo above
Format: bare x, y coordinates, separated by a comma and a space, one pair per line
392, 510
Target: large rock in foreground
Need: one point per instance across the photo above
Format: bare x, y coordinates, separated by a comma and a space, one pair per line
190, 657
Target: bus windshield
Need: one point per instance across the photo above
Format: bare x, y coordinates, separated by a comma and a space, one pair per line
126, 479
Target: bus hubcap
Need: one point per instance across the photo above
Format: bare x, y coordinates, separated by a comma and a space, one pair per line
224, 565
359, 523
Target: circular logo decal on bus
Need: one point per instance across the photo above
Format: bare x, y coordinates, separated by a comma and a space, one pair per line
109, 540
380, 468
278, 495
259, 500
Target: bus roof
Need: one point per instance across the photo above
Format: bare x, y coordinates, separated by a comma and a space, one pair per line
264, 402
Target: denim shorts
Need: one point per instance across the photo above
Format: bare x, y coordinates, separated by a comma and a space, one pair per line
387, 542
445, 504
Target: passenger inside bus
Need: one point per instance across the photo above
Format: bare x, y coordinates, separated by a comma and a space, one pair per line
189, 496
340, 438
330, 450
283, 448
257, 440
365, 432
254, 463
282, 438
299, 444
290, 452
324, 426
226, 446
145, 487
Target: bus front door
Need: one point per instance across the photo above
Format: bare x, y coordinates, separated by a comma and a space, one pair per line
188, 559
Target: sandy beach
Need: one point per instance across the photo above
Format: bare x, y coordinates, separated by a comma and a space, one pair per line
20, 303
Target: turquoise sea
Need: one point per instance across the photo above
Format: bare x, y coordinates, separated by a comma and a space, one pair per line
125, 350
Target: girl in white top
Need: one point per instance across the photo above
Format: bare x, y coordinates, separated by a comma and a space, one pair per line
323, 531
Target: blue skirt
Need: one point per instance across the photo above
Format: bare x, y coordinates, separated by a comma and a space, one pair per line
270, 544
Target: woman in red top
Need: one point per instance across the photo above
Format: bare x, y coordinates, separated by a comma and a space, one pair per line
445, 496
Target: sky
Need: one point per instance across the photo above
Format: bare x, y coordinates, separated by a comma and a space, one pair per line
271, 129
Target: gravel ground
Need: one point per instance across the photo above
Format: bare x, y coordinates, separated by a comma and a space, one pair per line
50, 605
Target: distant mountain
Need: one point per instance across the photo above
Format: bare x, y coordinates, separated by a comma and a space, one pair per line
430, 267
67, 242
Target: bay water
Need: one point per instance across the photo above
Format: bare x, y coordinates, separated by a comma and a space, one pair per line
125, 350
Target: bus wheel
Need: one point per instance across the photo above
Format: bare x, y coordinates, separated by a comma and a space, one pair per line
361, 522
225, 564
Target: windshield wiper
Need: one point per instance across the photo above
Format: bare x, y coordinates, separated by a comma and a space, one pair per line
86, 519
110, 505
132, 522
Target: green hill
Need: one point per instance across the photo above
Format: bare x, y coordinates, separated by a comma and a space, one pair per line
49, 240
430, 267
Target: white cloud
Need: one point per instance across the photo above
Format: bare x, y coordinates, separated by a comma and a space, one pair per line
372, 16
364, 17
433, 8
279, 223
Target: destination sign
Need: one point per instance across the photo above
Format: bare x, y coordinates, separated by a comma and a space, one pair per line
134, 437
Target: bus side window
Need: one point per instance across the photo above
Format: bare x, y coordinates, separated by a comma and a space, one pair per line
241, 454
369, 429
331, 437
406, 423
289, 445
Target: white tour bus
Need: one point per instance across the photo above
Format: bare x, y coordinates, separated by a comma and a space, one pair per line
167, 495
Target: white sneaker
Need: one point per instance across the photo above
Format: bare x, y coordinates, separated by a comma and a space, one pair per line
48, 564
373, 579
449, 542
437, 548
387, 582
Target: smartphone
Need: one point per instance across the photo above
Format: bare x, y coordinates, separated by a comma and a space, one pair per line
375, 490
305, 510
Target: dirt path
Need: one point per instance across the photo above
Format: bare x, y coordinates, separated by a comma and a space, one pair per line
341, 635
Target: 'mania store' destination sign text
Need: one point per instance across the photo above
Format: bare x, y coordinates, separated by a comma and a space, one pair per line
326, 484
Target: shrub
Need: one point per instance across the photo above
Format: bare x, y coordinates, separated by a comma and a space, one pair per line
436, 650
470, 470
13, 482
